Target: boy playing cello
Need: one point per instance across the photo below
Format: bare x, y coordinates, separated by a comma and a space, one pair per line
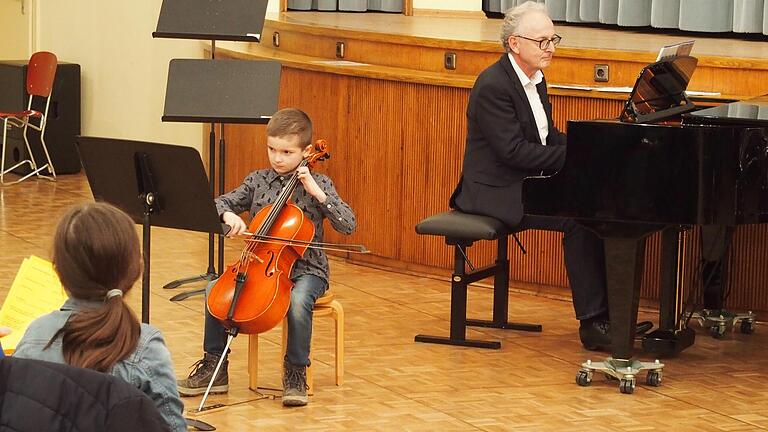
289, 137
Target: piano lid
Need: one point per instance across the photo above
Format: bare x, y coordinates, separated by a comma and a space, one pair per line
751, 112
659, 91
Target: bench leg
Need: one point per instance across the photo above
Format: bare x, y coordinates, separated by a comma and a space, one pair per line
501, 296
458, 332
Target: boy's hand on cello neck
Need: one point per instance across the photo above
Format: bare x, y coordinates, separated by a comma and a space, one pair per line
236, 222
310, 185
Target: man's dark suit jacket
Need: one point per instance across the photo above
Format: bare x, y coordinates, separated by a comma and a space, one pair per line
503, 145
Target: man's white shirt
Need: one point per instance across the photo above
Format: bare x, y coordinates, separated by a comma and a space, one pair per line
529, 85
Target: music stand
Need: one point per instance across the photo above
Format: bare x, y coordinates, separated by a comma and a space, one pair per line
233, 20
156, 184
202, 91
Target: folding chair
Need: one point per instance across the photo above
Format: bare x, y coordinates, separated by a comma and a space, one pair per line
41, 72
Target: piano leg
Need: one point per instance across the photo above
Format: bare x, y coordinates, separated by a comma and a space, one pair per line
673, 335
715, 243
624, 260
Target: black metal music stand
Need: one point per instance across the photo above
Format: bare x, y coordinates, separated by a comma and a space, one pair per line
156, 184
219, 91
233, 20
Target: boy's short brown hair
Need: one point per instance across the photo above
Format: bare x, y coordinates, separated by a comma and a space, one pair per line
291, 121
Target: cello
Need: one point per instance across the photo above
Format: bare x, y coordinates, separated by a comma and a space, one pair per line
253, 294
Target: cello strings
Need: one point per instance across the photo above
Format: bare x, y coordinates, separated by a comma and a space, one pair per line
274, 212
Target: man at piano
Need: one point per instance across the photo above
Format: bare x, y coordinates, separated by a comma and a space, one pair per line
511, 136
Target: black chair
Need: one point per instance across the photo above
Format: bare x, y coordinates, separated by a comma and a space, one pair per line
41, 396
461, 230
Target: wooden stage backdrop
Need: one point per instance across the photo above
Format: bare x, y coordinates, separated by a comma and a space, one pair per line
396, 126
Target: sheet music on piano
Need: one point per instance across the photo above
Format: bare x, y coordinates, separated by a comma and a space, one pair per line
678, 49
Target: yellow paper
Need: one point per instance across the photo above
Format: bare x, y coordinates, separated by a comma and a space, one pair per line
36, 291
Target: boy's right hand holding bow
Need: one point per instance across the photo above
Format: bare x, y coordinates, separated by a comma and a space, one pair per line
234, 221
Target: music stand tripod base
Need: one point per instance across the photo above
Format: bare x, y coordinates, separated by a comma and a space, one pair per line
625, 371
179, 282
187, 294
718, 321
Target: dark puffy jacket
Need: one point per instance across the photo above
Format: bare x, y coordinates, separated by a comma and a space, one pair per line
38, 396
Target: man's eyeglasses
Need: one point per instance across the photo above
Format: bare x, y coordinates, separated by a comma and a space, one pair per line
544, 43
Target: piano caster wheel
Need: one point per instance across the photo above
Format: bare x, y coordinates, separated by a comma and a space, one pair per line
717, 331
653, 378
747, 326
627, 385
584, 377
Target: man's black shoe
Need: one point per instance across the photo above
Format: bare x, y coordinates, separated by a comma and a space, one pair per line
596, 334
643, 327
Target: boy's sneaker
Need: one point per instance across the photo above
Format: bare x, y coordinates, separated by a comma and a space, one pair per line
200, 377
295, 385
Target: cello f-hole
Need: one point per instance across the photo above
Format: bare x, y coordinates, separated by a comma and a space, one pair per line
268, 268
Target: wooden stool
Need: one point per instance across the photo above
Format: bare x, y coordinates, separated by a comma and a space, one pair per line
324, 306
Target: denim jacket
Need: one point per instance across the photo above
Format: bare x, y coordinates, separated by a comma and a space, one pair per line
149, 368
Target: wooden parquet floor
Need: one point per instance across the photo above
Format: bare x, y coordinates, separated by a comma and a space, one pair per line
391, 382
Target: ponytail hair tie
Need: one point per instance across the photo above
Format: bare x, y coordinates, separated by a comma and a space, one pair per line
113, 293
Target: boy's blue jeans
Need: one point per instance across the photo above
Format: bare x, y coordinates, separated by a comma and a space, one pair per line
306, 290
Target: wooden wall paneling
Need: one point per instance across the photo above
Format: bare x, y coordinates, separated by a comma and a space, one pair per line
566, 108
373, 137
468, 62
649, 287
728, 79
434, 130
729, 67
748, 269
577, 70
543, 262
296, 42
380, 53
321, 96
245, 151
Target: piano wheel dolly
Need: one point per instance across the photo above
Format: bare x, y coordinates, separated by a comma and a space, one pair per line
718, 321
625, 371
461, 230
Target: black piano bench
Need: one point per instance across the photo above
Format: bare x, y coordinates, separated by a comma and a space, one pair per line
460, 231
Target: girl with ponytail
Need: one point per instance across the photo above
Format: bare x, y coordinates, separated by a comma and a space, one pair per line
97, 256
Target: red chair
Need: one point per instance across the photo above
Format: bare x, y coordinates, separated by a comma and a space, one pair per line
41, 71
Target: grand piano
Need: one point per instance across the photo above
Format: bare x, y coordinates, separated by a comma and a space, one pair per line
659, 167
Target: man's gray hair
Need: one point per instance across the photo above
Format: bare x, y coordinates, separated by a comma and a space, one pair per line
513, 17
